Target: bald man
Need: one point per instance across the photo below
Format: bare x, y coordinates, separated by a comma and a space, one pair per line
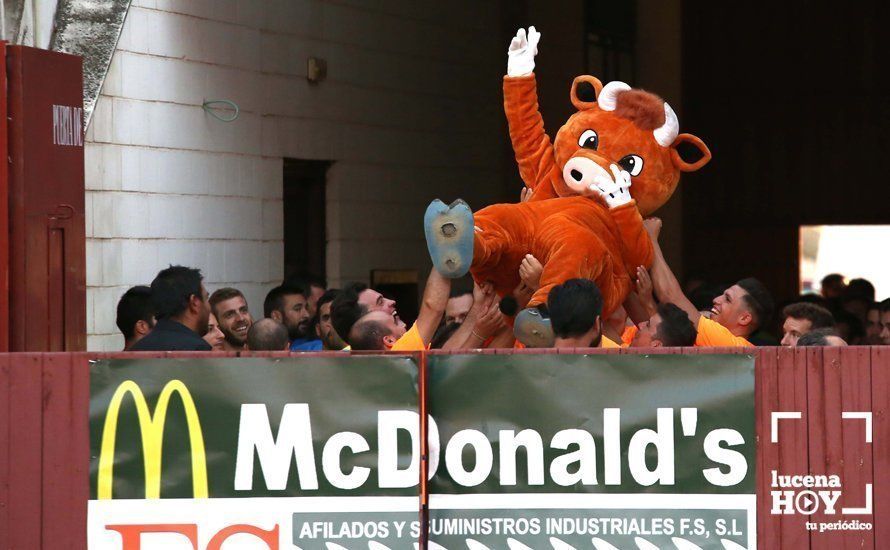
267, 335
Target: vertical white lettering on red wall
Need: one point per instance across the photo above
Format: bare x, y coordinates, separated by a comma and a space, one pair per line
67, 125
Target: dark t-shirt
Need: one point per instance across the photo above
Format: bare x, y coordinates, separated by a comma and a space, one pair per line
169, 335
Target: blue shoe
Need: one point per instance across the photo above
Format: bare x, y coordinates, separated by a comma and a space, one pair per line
449, 237
533, 329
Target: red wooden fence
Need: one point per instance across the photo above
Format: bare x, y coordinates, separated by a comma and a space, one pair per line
44, 442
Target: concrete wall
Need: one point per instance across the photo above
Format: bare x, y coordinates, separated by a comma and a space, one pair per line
410, 110
560, 56
659, 68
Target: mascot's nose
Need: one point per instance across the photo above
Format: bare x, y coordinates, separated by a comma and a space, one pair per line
580, 173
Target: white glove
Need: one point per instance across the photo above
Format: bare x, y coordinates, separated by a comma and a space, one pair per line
615, 193
522, 52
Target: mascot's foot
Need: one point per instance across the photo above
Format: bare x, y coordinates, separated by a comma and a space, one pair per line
533, 329
449, 237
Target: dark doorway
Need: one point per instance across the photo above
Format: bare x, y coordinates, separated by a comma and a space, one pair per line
305, 240
796, 116
610, 33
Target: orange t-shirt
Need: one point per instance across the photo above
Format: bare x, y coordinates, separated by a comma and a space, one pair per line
606, 342
410, 341
712, 334
628, 335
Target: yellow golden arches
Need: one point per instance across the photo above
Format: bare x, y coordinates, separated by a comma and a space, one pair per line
151, 428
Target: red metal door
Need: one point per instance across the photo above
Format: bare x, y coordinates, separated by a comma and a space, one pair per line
47, 234
4, 209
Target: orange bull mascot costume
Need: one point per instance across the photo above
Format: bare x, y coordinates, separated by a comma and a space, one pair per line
612, 162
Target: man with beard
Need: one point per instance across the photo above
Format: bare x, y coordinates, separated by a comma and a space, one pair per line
885, 322
735, 315
230, 308
287, 304
135, 315
324, 328
371, 321
668, 327
354, 302
873, 325
181, 309
575, 307
458, 306
802, 317
313, 288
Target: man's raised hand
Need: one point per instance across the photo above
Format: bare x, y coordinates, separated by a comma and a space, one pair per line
653, 227
522, 52
644, 291
526, 194
490, 322
530, 272
483, 295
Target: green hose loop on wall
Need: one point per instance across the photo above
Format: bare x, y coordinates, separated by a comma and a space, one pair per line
209, 108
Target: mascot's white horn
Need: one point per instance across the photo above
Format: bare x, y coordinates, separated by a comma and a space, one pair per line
667, 132
608, 97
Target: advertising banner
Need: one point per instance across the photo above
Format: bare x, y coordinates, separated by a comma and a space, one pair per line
544, 451
597, 451
270, 453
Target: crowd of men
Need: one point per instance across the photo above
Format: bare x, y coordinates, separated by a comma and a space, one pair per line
177, 313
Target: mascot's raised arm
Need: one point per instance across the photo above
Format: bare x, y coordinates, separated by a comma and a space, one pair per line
615, 124
612, 162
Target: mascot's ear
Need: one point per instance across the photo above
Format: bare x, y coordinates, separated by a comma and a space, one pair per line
689, 141
585, 89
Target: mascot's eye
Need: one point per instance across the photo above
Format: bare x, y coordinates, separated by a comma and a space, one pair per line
589, 140
633, 164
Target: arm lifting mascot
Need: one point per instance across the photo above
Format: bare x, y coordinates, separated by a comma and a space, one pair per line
614, 161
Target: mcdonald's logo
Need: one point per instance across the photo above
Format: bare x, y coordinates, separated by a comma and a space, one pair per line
151, 427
